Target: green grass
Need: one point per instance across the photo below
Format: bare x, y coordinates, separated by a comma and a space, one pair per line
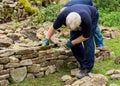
114, 45
100, 67
50, 80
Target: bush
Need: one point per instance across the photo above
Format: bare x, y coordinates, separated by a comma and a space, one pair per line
112, 5
28, 6
111, 19
47, 14
109, 12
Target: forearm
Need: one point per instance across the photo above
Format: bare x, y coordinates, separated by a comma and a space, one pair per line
78, 40
50, 32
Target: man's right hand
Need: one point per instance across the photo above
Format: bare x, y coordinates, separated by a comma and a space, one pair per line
69, 44
45, 41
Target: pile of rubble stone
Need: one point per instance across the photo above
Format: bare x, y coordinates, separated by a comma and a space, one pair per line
114, 74
91, 79
22, 56
109, 33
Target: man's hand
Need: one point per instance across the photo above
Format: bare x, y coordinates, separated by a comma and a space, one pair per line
69, 44
45, 41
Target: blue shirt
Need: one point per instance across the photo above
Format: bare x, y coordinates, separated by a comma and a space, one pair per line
86, 12
73, 2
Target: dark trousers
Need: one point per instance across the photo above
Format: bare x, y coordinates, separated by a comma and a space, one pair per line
84, 52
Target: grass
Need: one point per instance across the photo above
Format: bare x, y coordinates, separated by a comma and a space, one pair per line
114, 45
50, 80
100, 67
103, 66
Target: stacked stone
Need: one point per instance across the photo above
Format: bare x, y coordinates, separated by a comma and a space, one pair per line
10, 9
110, 33
103, 53
13, 10
21, 62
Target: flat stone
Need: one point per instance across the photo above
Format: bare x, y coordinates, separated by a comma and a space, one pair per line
6, 42
115, 76
12, 65
4, 76
66, 77
40, 74
35, 68
13, 59
6, 52
26, 62
4, 82
75, 71
29, 76
50, 69
4, 60
3, 72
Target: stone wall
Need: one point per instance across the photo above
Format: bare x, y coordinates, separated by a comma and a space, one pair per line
22, 56
21, 62
21, 9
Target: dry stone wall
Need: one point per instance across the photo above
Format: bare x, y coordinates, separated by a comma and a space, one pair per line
21, 9
22, 62
22, 57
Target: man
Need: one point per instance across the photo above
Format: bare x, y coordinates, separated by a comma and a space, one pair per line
98, 35
81, 20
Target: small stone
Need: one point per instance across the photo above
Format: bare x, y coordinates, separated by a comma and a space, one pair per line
66, 77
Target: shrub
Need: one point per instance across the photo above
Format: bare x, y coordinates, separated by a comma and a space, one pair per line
47, 14
111, 19
28, 6
112, 5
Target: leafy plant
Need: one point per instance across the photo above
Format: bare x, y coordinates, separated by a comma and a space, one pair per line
28, 6
47, 14
113, 5
111, 19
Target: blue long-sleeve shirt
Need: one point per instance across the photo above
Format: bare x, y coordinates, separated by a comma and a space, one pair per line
85, 11
73, 2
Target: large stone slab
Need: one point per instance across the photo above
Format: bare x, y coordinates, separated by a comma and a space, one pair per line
18, 74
